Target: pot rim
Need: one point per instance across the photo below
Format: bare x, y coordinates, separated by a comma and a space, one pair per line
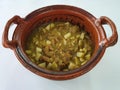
35, 13
57, 7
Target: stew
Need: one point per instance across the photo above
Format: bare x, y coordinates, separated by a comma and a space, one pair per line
59, 46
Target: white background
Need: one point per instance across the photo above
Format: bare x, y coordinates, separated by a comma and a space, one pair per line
104, 76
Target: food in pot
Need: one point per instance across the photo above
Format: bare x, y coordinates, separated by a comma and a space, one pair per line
59, 46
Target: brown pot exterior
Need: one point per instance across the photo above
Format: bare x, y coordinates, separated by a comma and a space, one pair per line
60, 13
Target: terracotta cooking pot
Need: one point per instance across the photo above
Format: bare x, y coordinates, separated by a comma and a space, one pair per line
55, 13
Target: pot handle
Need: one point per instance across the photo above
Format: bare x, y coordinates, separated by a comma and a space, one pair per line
5, 41
112, 40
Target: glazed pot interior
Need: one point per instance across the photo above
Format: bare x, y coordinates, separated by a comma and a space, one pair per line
83, 21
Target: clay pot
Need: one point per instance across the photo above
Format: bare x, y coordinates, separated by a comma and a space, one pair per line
54, 13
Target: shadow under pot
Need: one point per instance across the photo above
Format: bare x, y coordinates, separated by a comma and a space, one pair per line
68, 15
